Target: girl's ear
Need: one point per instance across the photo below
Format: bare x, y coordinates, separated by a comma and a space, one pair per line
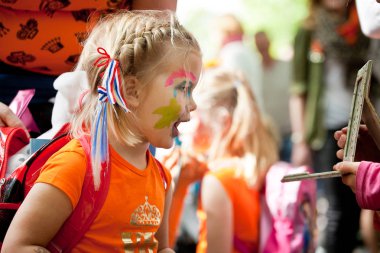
132, 92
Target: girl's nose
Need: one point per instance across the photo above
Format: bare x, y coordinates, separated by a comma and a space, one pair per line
191, 106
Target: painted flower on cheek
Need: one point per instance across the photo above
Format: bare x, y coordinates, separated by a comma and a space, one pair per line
168, 114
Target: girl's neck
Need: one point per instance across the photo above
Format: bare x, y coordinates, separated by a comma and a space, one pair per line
135, 155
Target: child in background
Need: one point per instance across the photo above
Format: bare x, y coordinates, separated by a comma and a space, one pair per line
150, 65
229, 131
238, 146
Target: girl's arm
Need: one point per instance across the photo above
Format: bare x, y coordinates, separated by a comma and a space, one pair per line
218, 209
39, 218
162, 234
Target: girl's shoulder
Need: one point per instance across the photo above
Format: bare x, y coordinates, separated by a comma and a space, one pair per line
225, 169
66, 170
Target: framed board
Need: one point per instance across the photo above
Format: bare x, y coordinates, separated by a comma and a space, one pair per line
361, 110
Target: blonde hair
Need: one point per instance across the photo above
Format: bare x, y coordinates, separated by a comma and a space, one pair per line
248, 136
229, 25
140, 41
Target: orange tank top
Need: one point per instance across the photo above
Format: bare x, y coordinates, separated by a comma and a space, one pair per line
134, 207
246, 213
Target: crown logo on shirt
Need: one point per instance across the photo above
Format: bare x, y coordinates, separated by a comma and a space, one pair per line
51, 6
28, 31
82, 15
20, 57
81, 36
3, 30
53, 45
146, 215
72, 59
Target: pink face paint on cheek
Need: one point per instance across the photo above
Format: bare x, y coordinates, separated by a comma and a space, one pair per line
179, 74
169, 114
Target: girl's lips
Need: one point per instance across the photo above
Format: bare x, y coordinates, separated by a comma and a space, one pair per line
175, 131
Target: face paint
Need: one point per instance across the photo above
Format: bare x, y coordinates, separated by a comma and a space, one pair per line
185, 87
168, 114
179, 74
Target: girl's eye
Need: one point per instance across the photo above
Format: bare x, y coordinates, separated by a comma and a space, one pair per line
184, 87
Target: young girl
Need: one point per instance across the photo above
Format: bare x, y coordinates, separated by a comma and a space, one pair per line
142, 68
239, 151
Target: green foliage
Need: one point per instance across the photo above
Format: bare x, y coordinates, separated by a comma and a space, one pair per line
279, 18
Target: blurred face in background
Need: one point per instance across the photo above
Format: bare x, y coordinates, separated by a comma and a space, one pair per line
262, 43
335, 5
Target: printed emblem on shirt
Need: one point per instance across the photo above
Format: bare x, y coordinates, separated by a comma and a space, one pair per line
142, 242
146, 215
28, 31
3, 30
72, 59
53, 45
20, 57
51, 6
81, 36
82, 15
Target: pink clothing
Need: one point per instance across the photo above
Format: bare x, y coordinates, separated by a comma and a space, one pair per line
368, 185
283, 223
368, 188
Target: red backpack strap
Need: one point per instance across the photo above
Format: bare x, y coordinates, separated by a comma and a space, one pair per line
12, 139
162, 173
80, 219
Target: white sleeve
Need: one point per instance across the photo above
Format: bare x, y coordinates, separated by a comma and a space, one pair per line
369, 17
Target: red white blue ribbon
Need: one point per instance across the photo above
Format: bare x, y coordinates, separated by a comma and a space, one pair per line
111, 80
109, 91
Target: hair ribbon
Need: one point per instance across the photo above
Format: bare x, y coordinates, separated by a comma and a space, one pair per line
111, 80
109, 91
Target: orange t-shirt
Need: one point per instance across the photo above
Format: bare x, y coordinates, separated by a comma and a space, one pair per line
45, 36
134, 206
246, 212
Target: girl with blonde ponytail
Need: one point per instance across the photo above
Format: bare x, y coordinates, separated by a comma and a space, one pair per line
240, 149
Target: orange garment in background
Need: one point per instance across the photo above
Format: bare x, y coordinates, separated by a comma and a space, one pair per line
45, 36
246, 212
134, 206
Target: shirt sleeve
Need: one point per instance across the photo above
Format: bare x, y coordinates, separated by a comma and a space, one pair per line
300, 61
367, 185
66, 170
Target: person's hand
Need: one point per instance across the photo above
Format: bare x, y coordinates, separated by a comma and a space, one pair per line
366, 148
8, 118
348, 170
301, 154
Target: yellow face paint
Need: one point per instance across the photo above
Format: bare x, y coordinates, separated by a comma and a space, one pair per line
168, 114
